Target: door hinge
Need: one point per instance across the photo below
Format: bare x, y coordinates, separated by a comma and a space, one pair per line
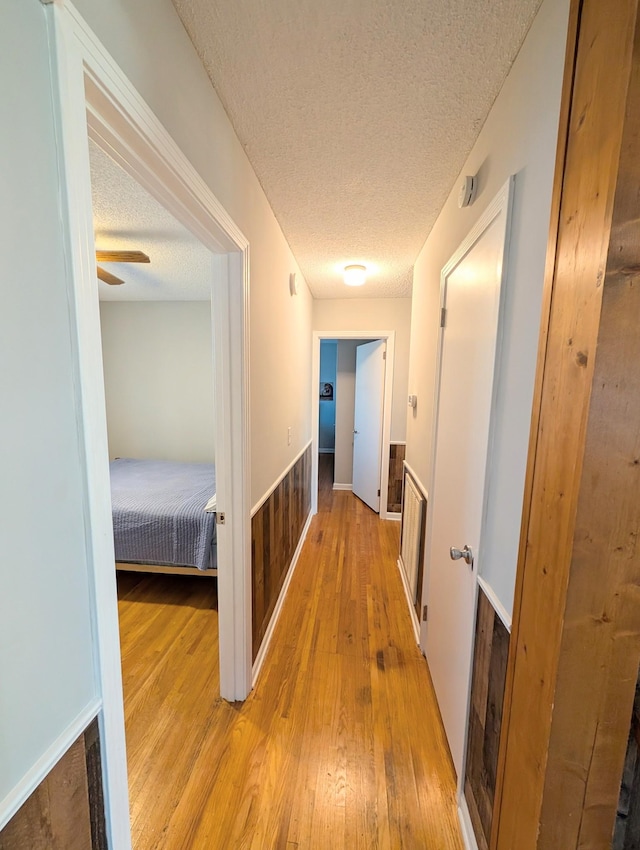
220, 519
443, 316
378, 493
384, 355
424, 613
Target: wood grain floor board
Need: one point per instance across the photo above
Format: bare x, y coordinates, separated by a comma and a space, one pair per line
339, 746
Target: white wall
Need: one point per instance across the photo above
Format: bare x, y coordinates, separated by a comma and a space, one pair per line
148, 41
519, 137
375, 314
345, 405
46, 664
158, 371
327, 410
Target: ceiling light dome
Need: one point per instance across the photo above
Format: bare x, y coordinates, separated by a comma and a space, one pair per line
355, 275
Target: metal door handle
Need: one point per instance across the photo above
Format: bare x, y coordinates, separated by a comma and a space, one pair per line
466, 554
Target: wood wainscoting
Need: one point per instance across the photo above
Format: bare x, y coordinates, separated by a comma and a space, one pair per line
491, 651
397, 452
626, 834
276, 528
66, 811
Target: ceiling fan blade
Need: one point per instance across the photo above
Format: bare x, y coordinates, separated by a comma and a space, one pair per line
106, 277
122, 257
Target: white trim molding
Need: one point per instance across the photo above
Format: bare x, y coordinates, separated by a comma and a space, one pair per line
337, 486
415, 477
498, 607
365, 336
265, 496
466, 826
47, 761
92, 97
415, 622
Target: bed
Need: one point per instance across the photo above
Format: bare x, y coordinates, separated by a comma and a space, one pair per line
164, 516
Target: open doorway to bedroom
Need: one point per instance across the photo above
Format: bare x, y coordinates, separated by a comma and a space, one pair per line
98, 103
154, 287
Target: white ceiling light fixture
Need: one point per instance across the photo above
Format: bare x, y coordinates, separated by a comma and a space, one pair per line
355, 275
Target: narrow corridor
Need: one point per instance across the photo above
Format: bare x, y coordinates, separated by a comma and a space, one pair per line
339, 746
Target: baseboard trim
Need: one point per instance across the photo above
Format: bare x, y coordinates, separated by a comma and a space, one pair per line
47, 761
395, 516
342, 486
266, 641
466, 827
326, 451
412, 611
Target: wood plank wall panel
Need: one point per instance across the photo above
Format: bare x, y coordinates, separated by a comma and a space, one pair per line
626, 835
491, 650
576, 638
275, 532
66, 811
397, 452
93, 760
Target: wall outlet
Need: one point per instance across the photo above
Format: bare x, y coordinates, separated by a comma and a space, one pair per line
289, 435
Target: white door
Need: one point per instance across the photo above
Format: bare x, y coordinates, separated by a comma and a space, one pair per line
471, 289
367, 422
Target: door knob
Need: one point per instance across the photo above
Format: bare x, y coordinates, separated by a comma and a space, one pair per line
466, 554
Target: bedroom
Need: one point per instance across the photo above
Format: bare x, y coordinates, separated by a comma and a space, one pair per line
157, 349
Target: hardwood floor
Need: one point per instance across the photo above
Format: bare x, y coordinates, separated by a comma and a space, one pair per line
339, 746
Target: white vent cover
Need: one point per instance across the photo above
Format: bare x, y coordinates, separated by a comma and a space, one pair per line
412, 519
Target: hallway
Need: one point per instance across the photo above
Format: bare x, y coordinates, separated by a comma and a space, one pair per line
339, 746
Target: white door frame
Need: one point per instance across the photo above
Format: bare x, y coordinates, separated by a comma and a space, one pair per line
390, 338
121, 122
503, 201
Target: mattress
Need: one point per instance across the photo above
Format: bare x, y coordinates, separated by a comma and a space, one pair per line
158, 512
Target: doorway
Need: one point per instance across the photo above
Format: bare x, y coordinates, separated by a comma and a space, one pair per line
342, 348
472, 294
157, 353
97, 101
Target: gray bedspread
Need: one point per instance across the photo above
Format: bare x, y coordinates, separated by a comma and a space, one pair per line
158, 512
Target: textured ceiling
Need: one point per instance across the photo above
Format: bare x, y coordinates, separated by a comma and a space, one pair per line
126, 217
357, 115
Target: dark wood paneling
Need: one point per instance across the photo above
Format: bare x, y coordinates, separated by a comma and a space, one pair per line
275, 532
93, 762
626, 835
66, 811
485, 717
397, 454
